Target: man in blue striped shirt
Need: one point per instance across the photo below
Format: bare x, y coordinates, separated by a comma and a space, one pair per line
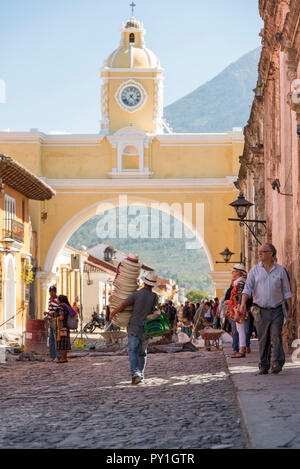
268, 283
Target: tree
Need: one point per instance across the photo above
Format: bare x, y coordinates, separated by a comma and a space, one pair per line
196, 296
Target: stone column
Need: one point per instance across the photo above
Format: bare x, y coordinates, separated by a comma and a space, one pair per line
43, 282
221, 281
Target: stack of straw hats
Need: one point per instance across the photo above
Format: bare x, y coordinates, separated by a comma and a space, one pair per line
125, 283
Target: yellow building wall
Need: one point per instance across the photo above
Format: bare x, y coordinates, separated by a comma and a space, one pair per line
19, 256
77, 161
96, 161
28, 154
176, 161
74, 161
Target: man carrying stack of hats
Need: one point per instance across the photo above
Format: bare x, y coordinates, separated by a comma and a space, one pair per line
143, 302
125, 283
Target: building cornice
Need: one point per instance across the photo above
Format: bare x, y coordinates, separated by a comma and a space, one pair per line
95, 139
204, 139
131, 70
191, 183
48, 140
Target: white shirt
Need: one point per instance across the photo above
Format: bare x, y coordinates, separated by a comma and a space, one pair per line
269, 290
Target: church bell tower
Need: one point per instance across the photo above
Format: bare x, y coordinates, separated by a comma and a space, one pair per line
132, 85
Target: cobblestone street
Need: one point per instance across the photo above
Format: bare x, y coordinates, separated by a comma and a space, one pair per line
187, 402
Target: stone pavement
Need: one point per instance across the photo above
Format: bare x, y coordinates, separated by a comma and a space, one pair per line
269, 404
187, 402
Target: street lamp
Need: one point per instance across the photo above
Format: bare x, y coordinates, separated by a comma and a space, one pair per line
227, 254
241, 206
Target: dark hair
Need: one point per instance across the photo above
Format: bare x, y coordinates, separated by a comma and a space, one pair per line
53, 288
216, 299
272, 248
64, 299
208, 303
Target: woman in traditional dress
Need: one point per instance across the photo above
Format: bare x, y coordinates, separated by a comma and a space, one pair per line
239, 277
63, 332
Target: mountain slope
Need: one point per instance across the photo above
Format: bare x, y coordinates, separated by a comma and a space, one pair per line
220, 104
169, 257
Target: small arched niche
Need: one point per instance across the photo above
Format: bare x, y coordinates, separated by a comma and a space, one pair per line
130, 158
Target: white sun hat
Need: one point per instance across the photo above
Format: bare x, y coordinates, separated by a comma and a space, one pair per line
239, 268
150, 279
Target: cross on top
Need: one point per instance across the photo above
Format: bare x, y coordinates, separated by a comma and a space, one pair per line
133, 5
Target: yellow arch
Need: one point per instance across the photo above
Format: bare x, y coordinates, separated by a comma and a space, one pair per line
87, 213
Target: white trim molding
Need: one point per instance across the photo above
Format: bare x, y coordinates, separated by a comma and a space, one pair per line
221, 280
51, 140
127, 173
107, 69
85, 184
226, 138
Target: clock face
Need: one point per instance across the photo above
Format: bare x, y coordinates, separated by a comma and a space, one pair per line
131, 96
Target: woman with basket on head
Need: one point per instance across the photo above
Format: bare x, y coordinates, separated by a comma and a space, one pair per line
67, 319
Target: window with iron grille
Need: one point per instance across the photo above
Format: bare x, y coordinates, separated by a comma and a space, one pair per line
10, 214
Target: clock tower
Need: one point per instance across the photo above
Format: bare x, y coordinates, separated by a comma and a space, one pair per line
132, 85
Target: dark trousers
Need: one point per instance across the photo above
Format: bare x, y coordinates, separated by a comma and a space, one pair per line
269, 329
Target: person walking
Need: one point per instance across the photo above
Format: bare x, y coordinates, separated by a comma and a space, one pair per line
232, 324
193, 311
186, 313
268, 283
216, 314
144, 302
239, 277
63, 332
51, 315
172, 315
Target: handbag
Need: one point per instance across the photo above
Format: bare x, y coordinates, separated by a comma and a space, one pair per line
157, 327
255, 310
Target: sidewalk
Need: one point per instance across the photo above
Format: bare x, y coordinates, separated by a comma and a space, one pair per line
270, 404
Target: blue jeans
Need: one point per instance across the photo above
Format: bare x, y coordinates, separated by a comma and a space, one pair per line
137, 348
235, 336
52, 345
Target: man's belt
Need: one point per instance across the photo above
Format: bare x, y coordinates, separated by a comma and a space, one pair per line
270, 309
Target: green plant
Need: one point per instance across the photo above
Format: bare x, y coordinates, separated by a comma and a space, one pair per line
196, 296
27, 274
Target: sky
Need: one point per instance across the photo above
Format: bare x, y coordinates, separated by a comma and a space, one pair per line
51, 52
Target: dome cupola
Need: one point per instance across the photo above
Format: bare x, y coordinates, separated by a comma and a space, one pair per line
132, 52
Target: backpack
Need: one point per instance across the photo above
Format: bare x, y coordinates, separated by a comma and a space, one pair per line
72, 322
72, 319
